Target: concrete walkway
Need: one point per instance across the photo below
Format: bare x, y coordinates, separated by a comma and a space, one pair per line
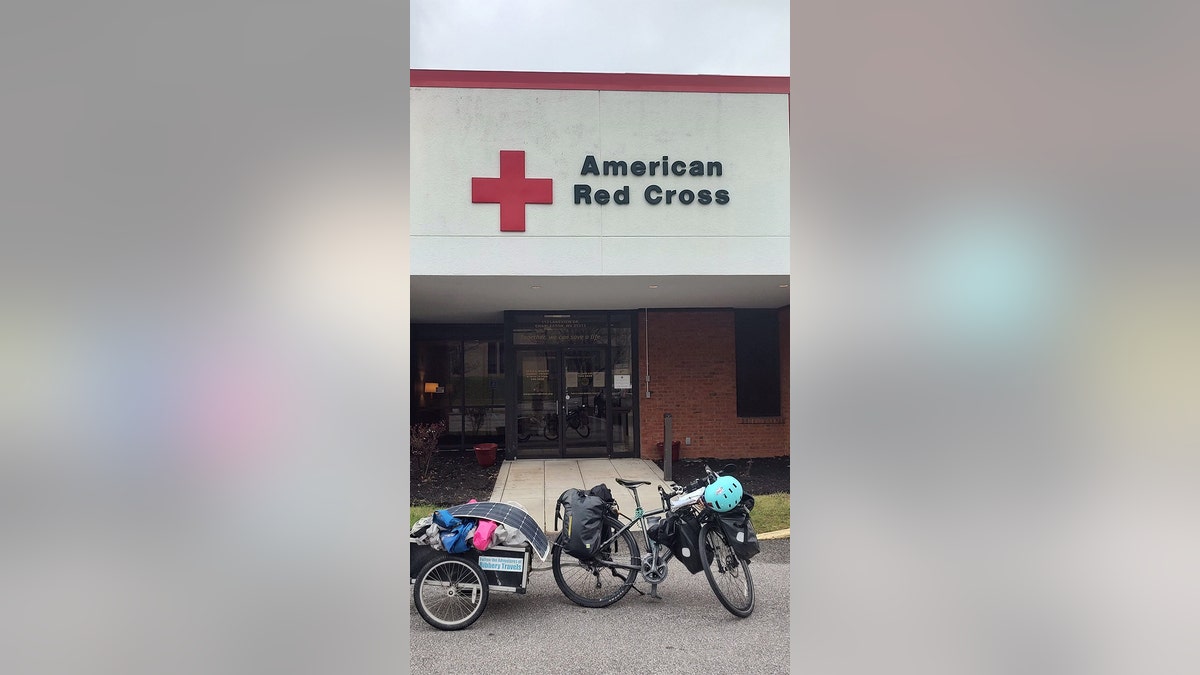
536, 484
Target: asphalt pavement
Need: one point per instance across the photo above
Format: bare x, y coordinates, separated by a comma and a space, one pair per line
686, 631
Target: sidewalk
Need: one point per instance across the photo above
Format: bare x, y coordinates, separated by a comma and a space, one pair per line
536, 484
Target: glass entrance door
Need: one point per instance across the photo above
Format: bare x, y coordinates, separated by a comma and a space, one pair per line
585, 380
539, 397
561, 402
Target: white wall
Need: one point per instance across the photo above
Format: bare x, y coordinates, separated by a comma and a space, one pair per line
459, 133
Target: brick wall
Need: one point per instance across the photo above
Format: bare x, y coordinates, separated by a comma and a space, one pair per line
692, 367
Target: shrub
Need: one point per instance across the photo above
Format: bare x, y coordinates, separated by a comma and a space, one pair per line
477, 416
424, 442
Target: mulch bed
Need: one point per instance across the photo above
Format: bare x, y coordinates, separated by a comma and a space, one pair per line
456, 478
758, 475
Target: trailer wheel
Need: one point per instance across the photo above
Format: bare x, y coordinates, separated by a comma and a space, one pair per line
450, 592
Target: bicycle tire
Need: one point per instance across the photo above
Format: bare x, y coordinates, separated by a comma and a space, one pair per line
551, 432
584, 430
727, 573
451, 592
576, 577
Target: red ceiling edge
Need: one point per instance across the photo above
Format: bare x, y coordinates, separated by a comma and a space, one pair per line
480, 79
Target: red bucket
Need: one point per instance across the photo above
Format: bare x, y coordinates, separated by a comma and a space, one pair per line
485, 454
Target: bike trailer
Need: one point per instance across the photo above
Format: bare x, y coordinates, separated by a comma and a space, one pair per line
505, 567
452, 579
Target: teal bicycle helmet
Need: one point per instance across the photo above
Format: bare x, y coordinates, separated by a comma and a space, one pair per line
723, 494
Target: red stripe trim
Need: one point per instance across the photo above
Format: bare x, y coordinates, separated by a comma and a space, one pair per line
480, 79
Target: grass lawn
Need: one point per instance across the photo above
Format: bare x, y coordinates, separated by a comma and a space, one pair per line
771, 512
419, 511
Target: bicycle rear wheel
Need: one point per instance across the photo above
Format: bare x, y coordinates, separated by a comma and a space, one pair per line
728, 574
590, 583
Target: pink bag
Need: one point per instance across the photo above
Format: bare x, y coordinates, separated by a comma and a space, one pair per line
483, 534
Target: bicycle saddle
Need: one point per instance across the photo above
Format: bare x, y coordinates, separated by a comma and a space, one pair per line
632, 483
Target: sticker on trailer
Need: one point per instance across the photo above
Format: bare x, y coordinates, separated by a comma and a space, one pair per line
496, 564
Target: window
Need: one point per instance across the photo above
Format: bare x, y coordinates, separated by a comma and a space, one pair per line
756, 339
458, 378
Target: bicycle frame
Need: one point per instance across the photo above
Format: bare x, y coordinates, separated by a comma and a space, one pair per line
640, 516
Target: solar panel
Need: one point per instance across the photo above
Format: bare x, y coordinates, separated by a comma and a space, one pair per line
512, 516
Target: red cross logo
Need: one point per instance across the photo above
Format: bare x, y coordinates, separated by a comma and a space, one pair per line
512, 190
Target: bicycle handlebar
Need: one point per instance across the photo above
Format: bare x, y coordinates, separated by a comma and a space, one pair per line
709, 477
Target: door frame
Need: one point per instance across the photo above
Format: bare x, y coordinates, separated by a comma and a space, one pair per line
511, 369
558, 388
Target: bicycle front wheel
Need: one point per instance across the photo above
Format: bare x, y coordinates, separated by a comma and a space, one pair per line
450, 592
728, 574
591, 583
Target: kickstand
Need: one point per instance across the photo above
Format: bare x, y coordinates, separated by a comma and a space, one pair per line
654, 591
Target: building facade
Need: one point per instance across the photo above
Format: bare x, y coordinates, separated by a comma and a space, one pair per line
592, 251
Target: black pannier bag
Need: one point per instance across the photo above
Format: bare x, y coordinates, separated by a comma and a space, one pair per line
604, 493
739, 531
582, 517
686, 544
747, 501
680, 531
659, 530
